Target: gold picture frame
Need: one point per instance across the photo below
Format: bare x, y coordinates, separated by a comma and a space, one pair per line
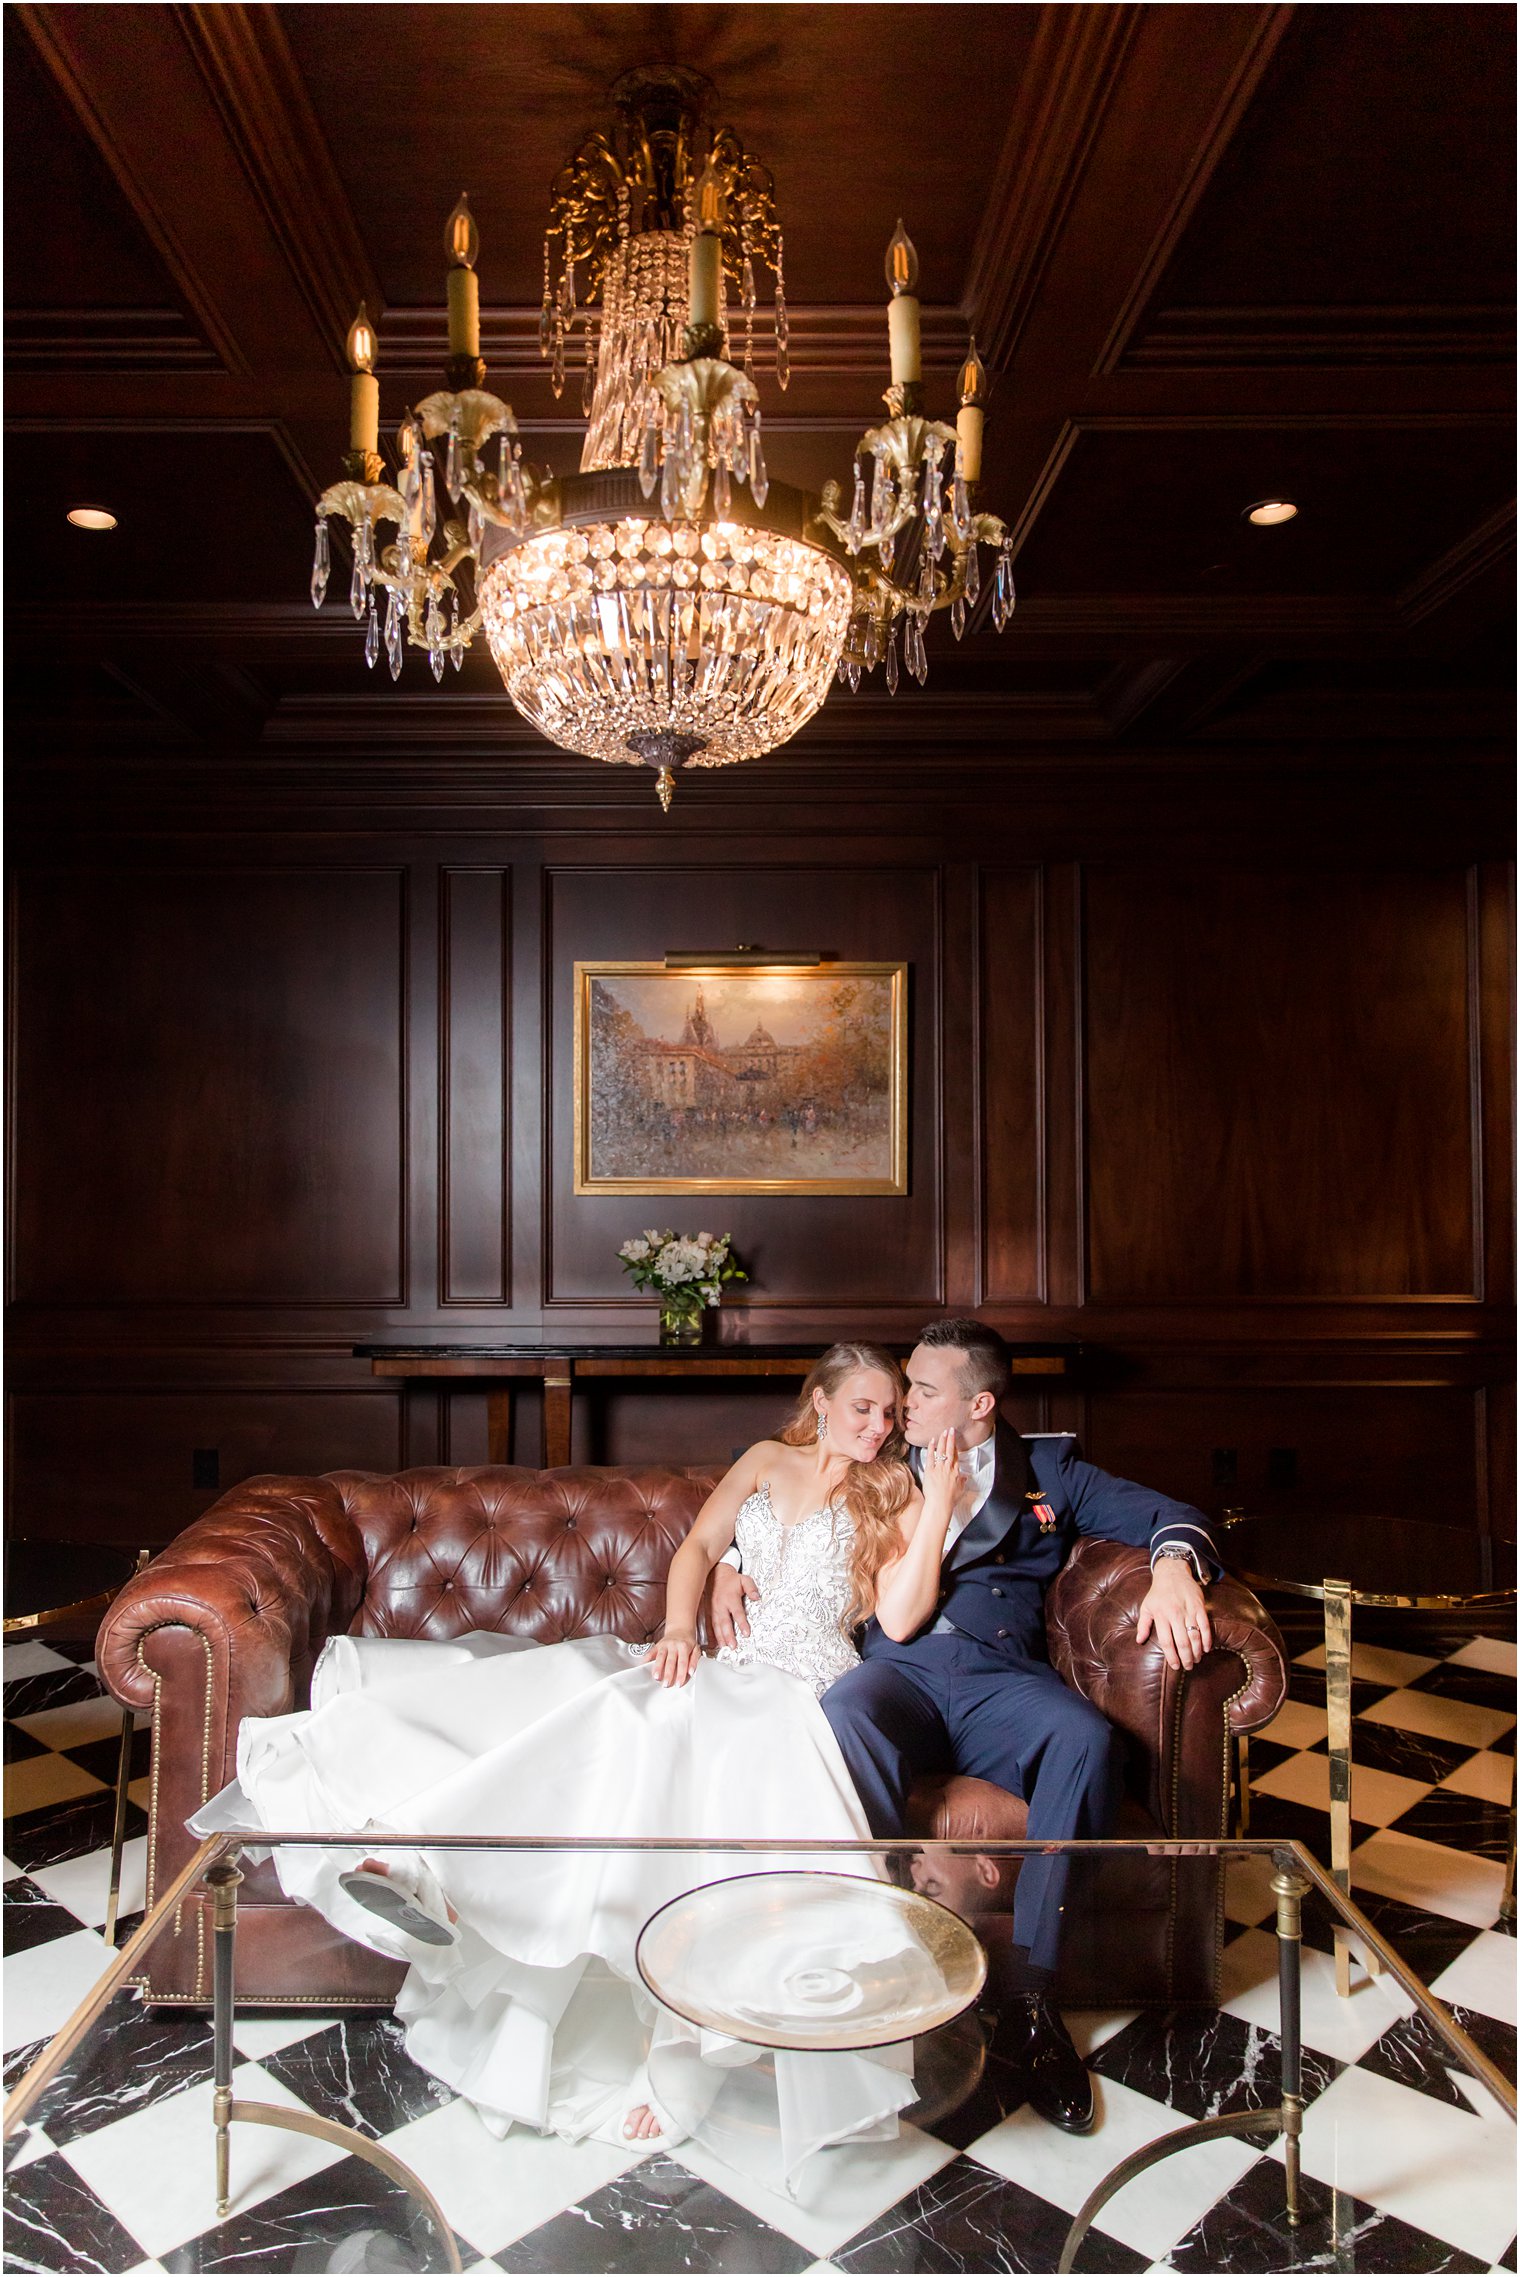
780, 1078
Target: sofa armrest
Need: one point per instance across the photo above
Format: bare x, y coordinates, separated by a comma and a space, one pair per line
1180, 1720
226, 1623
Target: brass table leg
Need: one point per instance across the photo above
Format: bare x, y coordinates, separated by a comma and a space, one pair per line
499, 1424
223, 1883
226, 2108
1285, 2119
1338, 1740
557, 1419
119, 1827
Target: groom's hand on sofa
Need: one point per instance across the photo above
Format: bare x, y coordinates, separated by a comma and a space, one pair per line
1174, 1607
730, 1591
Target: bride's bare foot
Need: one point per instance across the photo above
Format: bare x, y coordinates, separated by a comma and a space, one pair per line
641, 2123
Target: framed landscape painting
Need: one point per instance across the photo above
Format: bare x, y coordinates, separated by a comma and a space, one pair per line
775, 1079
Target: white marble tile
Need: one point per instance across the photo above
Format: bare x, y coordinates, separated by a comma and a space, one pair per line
1294, 1725
1377, 1797
9, 1869
44, 1985
1496, 1653
1490, 1776
1446, 2171
1247, 1892
1375, 1664
496, 2192
1342, 2028
1439, 1718
83, 1884
256, 2036
77, 1722
1453, 1882
41, 1780
1090, 2027
31, 1659
1154, 2210
36, 2145
1483, 1977
840, 2191
155, 2171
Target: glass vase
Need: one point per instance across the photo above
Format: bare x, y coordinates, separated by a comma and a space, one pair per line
680, 1319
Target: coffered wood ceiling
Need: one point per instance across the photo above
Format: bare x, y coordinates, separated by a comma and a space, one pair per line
1210, 253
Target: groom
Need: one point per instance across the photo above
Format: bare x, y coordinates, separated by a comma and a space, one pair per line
973, 1691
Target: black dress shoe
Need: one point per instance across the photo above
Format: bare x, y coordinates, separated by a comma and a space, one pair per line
1056, 2077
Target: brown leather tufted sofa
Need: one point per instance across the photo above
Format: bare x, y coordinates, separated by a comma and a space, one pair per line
228, 1621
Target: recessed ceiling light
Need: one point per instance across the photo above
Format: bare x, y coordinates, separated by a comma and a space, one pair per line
1270, 512
91, 518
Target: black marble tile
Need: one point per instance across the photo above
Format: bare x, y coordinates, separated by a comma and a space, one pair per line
103, 1756
965, 2219
1201, 2062
20, 1744
1461, 1822
1410, 2053
1504, 1744
1000, 2092
1410, 1754
1308, 1685
81, 1650
1264, 1756
50, 1688
68, 1830
1507, 2257
359, 2073
1484, 1687
32, 1917
657, 2216
1248, 2229
20, 2061
302, 2229
1429, 1942
53, 2220
133, 2057
1274, 1819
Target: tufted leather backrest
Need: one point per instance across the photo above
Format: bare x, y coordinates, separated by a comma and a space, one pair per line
541, 1554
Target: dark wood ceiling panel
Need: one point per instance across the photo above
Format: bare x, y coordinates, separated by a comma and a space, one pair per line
909, 105
1161, 509
1357, 214
216, 516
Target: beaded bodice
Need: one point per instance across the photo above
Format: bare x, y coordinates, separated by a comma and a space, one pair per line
803, 1572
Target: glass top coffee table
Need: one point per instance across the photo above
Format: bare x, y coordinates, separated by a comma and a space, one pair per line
1405, 1565
285, 2142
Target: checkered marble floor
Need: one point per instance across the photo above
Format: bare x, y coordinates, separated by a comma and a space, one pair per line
1408, 2168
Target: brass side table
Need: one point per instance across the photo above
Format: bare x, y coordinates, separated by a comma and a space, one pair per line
53, 1585
1406, 1565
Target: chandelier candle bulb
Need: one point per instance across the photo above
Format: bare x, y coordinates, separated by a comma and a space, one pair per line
364, 388
462, 240
972, 389
902, 310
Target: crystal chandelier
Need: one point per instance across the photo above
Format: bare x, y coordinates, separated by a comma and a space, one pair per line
669, 605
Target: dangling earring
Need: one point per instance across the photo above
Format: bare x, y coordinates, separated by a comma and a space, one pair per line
823, 1426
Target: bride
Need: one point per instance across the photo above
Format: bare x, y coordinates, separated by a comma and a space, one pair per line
522, 1992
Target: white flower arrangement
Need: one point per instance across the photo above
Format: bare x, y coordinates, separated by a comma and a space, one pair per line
691, 1266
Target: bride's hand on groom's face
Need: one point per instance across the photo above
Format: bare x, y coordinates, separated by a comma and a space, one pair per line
941, 1473
673, 1660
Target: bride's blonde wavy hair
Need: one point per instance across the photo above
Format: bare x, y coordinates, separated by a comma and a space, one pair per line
874, 1494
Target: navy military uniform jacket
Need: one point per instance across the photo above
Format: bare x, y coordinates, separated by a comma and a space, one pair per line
1044, 1499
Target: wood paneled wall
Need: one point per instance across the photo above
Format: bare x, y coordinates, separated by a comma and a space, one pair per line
1238, 1124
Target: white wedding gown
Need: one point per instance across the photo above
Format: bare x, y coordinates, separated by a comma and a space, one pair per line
536, 2014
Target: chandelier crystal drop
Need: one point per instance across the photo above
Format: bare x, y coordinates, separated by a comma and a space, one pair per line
670, 605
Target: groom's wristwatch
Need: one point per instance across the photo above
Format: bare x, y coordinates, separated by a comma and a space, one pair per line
1178, 1550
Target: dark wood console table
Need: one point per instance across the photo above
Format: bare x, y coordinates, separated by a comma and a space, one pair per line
560, 1365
